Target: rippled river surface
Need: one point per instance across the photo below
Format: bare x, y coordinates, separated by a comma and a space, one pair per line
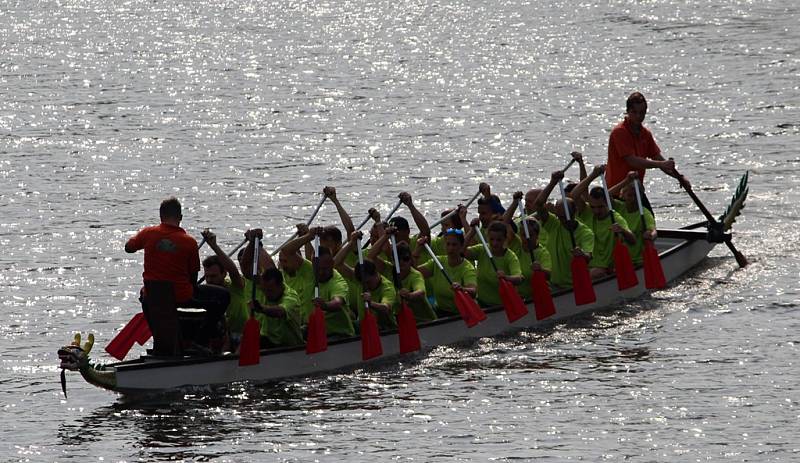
246, 109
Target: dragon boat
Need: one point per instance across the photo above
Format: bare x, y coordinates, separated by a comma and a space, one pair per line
679, 249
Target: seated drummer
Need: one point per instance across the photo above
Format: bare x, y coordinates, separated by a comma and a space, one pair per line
370, 287
457, 267
595, 215
507, 263
277, 309
628, 208
410, 283
559, 243
170, 254
299, 275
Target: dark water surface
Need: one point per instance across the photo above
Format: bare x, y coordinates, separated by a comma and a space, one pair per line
246, 109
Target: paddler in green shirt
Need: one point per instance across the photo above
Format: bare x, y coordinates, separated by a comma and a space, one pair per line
595, 215
628, 208
460, 270
541, 257
299, 275
505, 260
370, 287
559, 243
277, 309
411, 287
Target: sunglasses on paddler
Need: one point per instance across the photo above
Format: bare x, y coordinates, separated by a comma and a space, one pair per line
454, 231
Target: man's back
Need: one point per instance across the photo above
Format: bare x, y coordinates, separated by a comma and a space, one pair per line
169, 255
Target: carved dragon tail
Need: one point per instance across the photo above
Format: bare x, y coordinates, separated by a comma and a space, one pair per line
737, 203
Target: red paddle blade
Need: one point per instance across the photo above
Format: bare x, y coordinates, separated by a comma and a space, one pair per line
124, 340
407, 330
623, 265
317, 335
464, 304
370, 338
250, 348
477, 312
582, 282
653, 272
143, 332
542, 299
515, 308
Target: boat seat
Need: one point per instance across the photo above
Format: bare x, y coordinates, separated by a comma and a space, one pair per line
162, 316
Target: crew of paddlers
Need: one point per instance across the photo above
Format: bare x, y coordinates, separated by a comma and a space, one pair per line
394, 266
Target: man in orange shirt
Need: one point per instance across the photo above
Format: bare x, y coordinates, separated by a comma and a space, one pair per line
631, 146
170, 254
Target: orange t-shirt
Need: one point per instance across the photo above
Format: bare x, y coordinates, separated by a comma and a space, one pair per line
623, 143
169, 255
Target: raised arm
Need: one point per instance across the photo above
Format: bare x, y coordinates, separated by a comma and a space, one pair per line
347, 222
339, 259
580, 189
616, 189
508, 216
578, 157
540, 205
224, 260
419, 219
291, 252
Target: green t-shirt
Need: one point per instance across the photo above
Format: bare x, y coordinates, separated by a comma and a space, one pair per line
413, 282
383, 294
541, 256
237, 312
338, 322
604, 239
463, 274
281, 331
559, 246
635, 224
488, 286
521, 233
302, 283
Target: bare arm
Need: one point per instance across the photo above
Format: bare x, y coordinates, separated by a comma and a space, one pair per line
616, 189
419, 219
508, 216
579, 191
347, 222
578, 157
540, 205
225, 261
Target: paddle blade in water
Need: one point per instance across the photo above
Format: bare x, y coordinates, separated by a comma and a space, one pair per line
623, 265
515, 308
653, 272
407, 330
317, 335
370, 338
582, 282
542, 299
464, 304
250, 348
124, 340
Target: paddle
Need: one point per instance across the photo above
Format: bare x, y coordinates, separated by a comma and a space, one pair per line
540, 290
370, 337
623, 264
317, 336
712, 222
466, 305
250, 347
581, 280
515, 308
454, 211
406, 323
653, 272
135, 331
308, 222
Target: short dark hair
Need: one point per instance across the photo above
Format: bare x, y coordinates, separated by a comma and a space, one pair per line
332, 232
170, 208
455, 220
211, 261
399, 223
498, 227
570, 186
634, 99
597, 193
366, 269
272, 274
492, 201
